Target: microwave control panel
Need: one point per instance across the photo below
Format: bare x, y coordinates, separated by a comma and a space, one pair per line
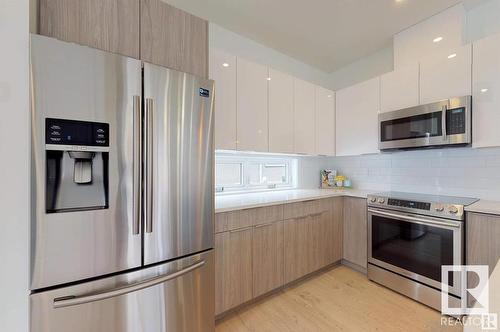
72, 132
455, 121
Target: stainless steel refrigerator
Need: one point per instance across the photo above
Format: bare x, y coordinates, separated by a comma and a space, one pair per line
122, 194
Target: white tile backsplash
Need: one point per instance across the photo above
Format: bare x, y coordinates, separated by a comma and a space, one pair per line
459, 171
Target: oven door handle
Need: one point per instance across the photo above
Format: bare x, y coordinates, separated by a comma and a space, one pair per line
416, 219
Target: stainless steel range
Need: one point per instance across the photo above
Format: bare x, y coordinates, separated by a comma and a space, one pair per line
410, 236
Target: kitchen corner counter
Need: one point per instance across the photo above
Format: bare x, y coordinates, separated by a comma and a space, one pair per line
483, 206
224, 203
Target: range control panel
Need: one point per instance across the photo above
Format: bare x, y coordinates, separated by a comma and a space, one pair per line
72, 132
409, 204
435, 209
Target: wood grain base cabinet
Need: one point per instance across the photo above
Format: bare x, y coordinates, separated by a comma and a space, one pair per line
261, 249
267, 257
233, 266
482, 243
355, 231
109, 25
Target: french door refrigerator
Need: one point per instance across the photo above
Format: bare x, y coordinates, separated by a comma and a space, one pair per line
122, 194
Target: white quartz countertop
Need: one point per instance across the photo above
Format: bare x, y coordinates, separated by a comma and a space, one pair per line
231, 202
484, 206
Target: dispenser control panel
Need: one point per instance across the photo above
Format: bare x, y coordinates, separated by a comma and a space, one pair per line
72, 132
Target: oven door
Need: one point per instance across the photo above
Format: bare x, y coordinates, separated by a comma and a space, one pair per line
415, 246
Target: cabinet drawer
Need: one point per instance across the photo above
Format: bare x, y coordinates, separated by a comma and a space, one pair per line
227, 221
305, 208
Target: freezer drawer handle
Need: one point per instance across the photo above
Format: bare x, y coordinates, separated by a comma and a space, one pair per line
77, 300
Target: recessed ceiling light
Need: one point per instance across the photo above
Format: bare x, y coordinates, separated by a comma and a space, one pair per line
451, 56
225, 64
484, 90
329, 96
269, 78
437, 39
398, 1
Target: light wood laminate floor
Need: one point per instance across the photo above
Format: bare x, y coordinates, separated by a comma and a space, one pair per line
340, 299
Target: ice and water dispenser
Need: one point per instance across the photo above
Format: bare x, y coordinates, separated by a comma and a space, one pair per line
77, 154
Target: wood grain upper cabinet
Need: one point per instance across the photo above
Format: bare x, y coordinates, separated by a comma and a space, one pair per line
280, 112
399, 88
110, 25
355, 231
252, 119
173, 38
357, 110
325, 121
223, 72
233, 266
304, 117
486, 92
267, 257
445, 76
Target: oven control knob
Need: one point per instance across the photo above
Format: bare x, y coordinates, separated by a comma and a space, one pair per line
453, 209
381, 200
373, 199
439, 208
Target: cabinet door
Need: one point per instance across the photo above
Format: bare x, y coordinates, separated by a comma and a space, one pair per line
483, 248
233, 269
280, 112
445, 76
252, 120
110, 25
297, 247
357, 118
337, 221
173, 38
325, 121
304, 117
399, 88
355, 231
223, 72
267, 258
486, 92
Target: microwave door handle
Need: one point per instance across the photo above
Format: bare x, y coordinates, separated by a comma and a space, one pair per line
69, 301
444, 109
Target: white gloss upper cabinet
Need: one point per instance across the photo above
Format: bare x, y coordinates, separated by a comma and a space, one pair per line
486, 92
446, 75
252, 119
280, 112
357, 110
325, 121
304, 117
399, 88
222, 70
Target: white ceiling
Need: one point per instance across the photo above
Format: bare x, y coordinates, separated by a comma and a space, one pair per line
327, 34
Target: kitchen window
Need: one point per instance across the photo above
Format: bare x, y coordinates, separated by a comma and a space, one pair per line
248, 173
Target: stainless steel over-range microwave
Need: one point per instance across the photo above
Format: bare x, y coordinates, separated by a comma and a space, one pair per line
444, 123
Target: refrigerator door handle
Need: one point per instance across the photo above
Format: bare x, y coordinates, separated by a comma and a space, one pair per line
70, 301
136, 228
149, 164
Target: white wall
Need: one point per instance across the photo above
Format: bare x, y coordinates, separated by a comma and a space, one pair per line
459, 171
232, 43
366, 68
14, 174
